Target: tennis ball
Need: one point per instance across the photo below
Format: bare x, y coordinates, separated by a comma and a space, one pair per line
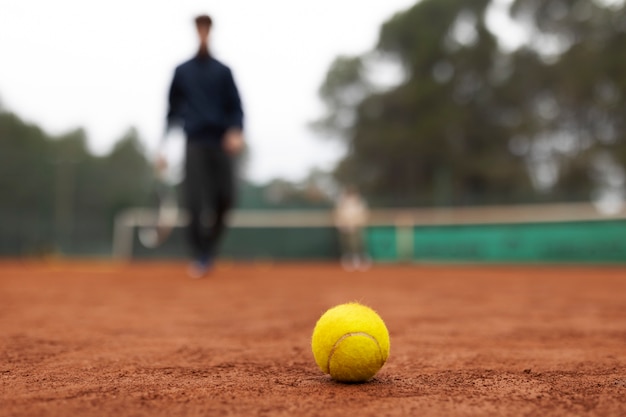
350, 342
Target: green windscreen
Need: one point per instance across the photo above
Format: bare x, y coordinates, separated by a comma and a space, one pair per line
594, 241
586, 241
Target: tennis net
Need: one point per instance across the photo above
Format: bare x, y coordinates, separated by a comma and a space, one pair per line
528, 233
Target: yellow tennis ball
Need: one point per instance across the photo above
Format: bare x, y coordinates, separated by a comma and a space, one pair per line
350, 342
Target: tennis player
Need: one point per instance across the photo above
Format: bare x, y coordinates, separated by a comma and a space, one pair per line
351, 216
205, 102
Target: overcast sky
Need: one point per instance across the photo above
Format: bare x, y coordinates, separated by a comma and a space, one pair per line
106, 66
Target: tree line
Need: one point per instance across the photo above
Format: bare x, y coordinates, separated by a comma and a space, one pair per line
55, 194
56, 197
475, 122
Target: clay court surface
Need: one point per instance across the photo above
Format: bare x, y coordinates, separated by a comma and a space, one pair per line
97, 339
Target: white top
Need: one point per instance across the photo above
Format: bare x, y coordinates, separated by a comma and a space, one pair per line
351, 212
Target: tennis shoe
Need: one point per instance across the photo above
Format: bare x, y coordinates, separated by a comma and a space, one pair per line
199, 268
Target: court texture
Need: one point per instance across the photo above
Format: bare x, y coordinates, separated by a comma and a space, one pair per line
506, 311
139, 338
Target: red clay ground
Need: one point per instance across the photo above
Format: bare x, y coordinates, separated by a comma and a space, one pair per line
89, 339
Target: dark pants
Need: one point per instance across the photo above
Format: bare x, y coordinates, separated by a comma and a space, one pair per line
209, 195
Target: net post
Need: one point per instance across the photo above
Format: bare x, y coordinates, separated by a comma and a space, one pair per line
404, 237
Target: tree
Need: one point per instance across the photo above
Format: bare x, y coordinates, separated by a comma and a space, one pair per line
573, 100
473, 123
433, 138
54, 192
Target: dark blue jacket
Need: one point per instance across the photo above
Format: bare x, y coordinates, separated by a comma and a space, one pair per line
204, 100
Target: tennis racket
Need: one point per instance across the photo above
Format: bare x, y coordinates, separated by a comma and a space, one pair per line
165, 202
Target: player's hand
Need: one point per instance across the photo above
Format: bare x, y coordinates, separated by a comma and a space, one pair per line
234, 142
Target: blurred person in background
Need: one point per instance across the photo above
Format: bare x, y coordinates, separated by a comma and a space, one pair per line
204, 101
351, 215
